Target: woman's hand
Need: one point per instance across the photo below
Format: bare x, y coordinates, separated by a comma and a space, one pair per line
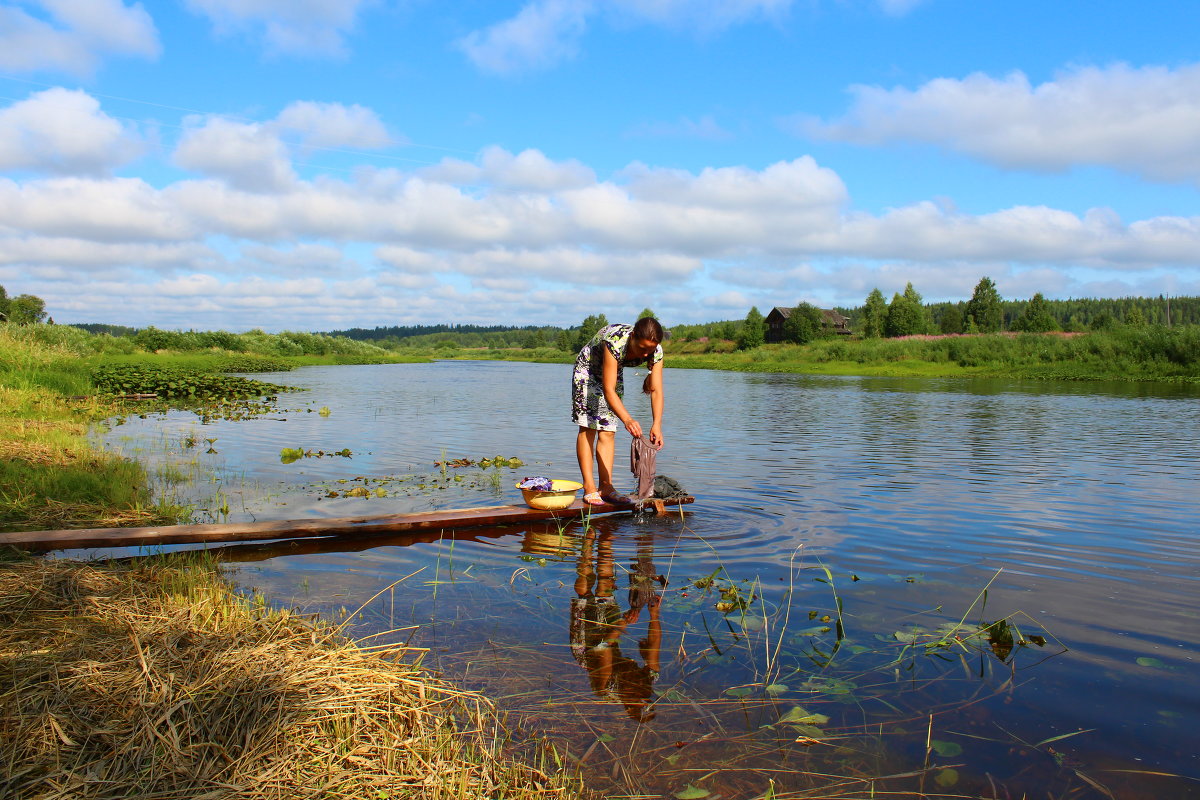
635, 430
656, 437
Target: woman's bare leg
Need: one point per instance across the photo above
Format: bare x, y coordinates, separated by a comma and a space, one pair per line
606, 446
585, 451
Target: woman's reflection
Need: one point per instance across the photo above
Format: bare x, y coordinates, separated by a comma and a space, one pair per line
597, 623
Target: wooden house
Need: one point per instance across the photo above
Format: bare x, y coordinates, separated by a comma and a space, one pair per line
831, 321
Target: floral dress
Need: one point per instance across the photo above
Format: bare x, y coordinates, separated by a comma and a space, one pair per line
588, 406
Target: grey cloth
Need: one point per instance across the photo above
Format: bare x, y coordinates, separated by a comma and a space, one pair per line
667, 488
642, 456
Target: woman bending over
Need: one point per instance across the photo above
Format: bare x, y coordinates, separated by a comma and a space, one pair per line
597, 386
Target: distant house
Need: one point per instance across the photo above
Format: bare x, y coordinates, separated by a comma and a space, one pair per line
832, 320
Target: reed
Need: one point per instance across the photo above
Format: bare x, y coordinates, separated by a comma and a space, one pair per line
154, 679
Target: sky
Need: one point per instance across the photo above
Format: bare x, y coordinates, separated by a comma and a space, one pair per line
326, 164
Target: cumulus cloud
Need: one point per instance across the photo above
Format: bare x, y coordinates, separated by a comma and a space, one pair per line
523, 236
73, 36
111, 210
312, 27
63, 131
1144, 121
334, 125
529, 170
249, 156
546, 32
257, 156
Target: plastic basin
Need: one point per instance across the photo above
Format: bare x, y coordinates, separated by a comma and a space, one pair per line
562, 495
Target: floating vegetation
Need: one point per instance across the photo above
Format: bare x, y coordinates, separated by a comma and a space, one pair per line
498, 462
405, 485
291, 454
177, 382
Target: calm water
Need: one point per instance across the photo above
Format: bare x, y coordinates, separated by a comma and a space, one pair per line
1074, 505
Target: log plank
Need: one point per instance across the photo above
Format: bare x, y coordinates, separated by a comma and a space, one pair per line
450, 519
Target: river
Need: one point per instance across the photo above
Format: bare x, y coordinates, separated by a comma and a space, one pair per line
967, 588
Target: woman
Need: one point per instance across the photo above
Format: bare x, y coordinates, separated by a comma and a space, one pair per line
596, 389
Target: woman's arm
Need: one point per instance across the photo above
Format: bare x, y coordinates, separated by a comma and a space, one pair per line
608, 380
656, 404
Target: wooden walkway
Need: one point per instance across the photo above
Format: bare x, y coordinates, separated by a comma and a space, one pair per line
425, 521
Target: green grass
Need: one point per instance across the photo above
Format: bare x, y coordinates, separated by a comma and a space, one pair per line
1127, 354
50, 477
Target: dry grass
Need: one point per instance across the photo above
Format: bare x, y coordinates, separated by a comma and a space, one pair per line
155, 680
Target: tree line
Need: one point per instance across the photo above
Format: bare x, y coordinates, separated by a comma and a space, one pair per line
24, 309
906, 314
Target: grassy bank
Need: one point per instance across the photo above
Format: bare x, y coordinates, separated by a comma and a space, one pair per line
1129, 354
156, 680
49, 475
1150, 353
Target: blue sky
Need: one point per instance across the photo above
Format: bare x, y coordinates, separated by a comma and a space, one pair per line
322, 164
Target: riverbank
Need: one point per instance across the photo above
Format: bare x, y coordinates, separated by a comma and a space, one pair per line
153, 678
1151, 353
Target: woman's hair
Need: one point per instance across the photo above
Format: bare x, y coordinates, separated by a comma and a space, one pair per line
651, 330
648, 328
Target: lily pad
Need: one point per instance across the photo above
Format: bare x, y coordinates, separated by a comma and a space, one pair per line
1147, 661
799, 716
776, 688
946, 749
691, 793
739, 691
946, 778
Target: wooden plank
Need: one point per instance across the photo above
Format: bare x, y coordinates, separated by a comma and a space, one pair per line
450, 519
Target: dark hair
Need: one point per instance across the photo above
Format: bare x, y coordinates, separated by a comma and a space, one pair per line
648, 328
651, 330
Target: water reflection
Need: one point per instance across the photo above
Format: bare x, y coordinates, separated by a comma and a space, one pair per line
598, 625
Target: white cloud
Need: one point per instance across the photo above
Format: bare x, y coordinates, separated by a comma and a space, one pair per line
1145, 121
299, 27
334, 125
112, 210
542, 34
63, 131
61, 251
73, 36
249, 156
546, 32
534, 239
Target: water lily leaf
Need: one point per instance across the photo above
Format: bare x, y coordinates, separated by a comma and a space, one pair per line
691, 793
1147, 661
753, 623
946, 749
606, 737
905, 636
776, 688
816, 630
799, 716
946, 778
739, 691
808, 732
